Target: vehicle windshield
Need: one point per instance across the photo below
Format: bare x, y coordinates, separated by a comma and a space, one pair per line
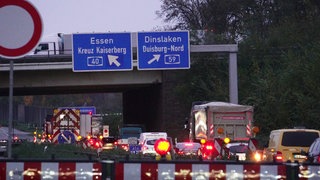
42, 47
108, 140
151, 142
300, 139
125, 133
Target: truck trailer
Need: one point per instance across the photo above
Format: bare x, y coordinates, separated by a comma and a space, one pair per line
214, 124
71, 124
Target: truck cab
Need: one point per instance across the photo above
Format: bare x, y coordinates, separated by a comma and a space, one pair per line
50, 45
127, 135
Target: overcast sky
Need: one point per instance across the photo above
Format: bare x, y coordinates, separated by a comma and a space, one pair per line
86, 16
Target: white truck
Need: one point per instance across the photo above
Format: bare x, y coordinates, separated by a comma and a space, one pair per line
213, 122
53, 45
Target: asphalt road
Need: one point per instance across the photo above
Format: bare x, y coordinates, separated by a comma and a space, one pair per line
20, 134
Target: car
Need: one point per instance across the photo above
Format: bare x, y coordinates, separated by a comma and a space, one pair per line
238, 150
187, 148
314, 152
109, 143
147, 147
288, 145
91, 142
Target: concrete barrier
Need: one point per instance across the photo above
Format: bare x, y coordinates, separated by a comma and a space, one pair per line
214, 170
141, 170
128, 170
35, 170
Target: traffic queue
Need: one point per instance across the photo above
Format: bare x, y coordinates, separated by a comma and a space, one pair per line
222, 144
217, 131
157, 145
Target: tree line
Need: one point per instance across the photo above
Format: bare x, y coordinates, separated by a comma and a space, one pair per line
278, 57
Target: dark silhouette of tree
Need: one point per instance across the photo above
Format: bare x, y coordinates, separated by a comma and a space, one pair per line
278, 56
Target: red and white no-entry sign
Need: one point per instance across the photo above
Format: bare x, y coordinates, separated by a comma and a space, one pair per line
105, 131
20, 27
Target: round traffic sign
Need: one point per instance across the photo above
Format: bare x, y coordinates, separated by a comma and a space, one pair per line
22, 30
66, 137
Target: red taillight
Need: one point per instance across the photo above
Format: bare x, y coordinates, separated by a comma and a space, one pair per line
208, 150
144, 148
91, 142
180, 152
278, 157
125, 147
97, 144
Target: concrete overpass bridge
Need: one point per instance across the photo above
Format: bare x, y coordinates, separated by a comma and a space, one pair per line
145, 93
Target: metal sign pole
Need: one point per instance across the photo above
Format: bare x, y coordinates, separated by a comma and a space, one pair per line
10, 110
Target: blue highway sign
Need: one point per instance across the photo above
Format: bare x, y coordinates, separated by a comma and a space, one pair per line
83, 109
134, 148
163, 50
102, 52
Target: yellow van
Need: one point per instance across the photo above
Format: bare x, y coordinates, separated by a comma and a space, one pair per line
289, 144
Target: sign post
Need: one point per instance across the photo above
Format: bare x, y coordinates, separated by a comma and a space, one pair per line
163, 50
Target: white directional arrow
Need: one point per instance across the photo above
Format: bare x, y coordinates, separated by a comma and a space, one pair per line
156, 57
113, 60
67, 139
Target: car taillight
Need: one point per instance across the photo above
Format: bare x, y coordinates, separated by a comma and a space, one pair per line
97, 144
278, 157
91, 142
125, 147
144, 148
